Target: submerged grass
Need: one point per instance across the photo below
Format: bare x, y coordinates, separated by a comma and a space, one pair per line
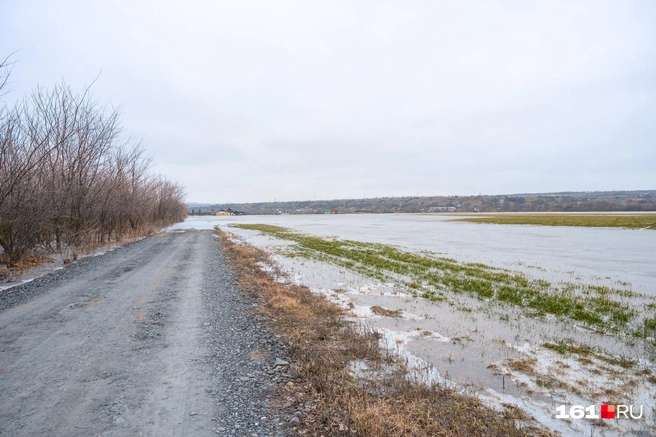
630, 221
585, 351
334, 401
431, 277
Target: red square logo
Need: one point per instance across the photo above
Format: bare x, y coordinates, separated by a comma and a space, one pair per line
608, 411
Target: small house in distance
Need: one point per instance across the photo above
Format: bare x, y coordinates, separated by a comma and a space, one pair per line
220, 213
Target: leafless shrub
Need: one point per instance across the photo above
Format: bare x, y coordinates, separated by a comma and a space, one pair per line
5, 71
68, 183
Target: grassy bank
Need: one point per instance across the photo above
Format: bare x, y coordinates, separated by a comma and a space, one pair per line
629, 221
603, 309
323, 346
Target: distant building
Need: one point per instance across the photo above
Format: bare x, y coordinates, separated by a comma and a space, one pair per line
442, 209
220, 213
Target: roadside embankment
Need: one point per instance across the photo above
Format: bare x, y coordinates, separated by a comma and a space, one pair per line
346, 383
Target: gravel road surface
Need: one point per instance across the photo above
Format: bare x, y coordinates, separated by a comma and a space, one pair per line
151, 339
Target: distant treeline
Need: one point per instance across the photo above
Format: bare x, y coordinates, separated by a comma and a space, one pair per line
571, 201
66, 180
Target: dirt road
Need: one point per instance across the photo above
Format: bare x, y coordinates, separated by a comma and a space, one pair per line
151, 339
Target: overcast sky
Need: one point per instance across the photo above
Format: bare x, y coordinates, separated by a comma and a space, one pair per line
292, 100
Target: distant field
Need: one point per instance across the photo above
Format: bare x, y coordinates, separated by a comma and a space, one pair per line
631, 221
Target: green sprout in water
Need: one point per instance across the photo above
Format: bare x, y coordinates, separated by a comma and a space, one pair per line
428, 276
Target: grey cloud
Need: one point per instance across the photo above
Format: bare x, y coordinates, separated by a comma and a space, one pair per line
256, 100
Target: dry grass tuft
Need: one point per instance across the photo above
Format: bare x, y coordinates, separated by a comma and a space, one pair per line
514, 412
11, 274
380, 311
526, 365
15, 272
29, 261
322, 345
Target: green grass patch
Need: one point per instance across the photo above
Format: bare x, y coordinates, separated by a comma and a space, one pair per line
630, 221
585, 351
429, 276
569, 348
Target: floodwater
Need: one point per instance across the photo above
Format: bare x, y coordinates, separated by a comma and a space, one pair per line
472, 343
596, 255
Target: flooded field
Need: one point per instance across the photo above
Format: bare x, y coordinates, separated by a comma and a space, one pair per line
534, 316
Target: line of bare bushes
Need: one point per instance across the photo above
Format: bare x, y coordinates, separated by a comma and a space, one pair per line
336, 401
68, 181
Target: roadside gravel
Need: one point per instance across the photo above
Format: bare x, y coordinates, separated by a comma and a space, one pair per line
153, 338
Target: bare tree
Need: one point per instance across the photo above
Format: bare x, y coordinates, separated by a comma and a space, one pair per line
6, 66
67, 182
20, 213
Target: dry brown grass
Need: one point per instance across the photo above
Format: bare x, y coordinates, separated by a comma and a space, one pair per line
15, 272
380, 311
526, 365
11, 274
29, 261
322, 346
652, 379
